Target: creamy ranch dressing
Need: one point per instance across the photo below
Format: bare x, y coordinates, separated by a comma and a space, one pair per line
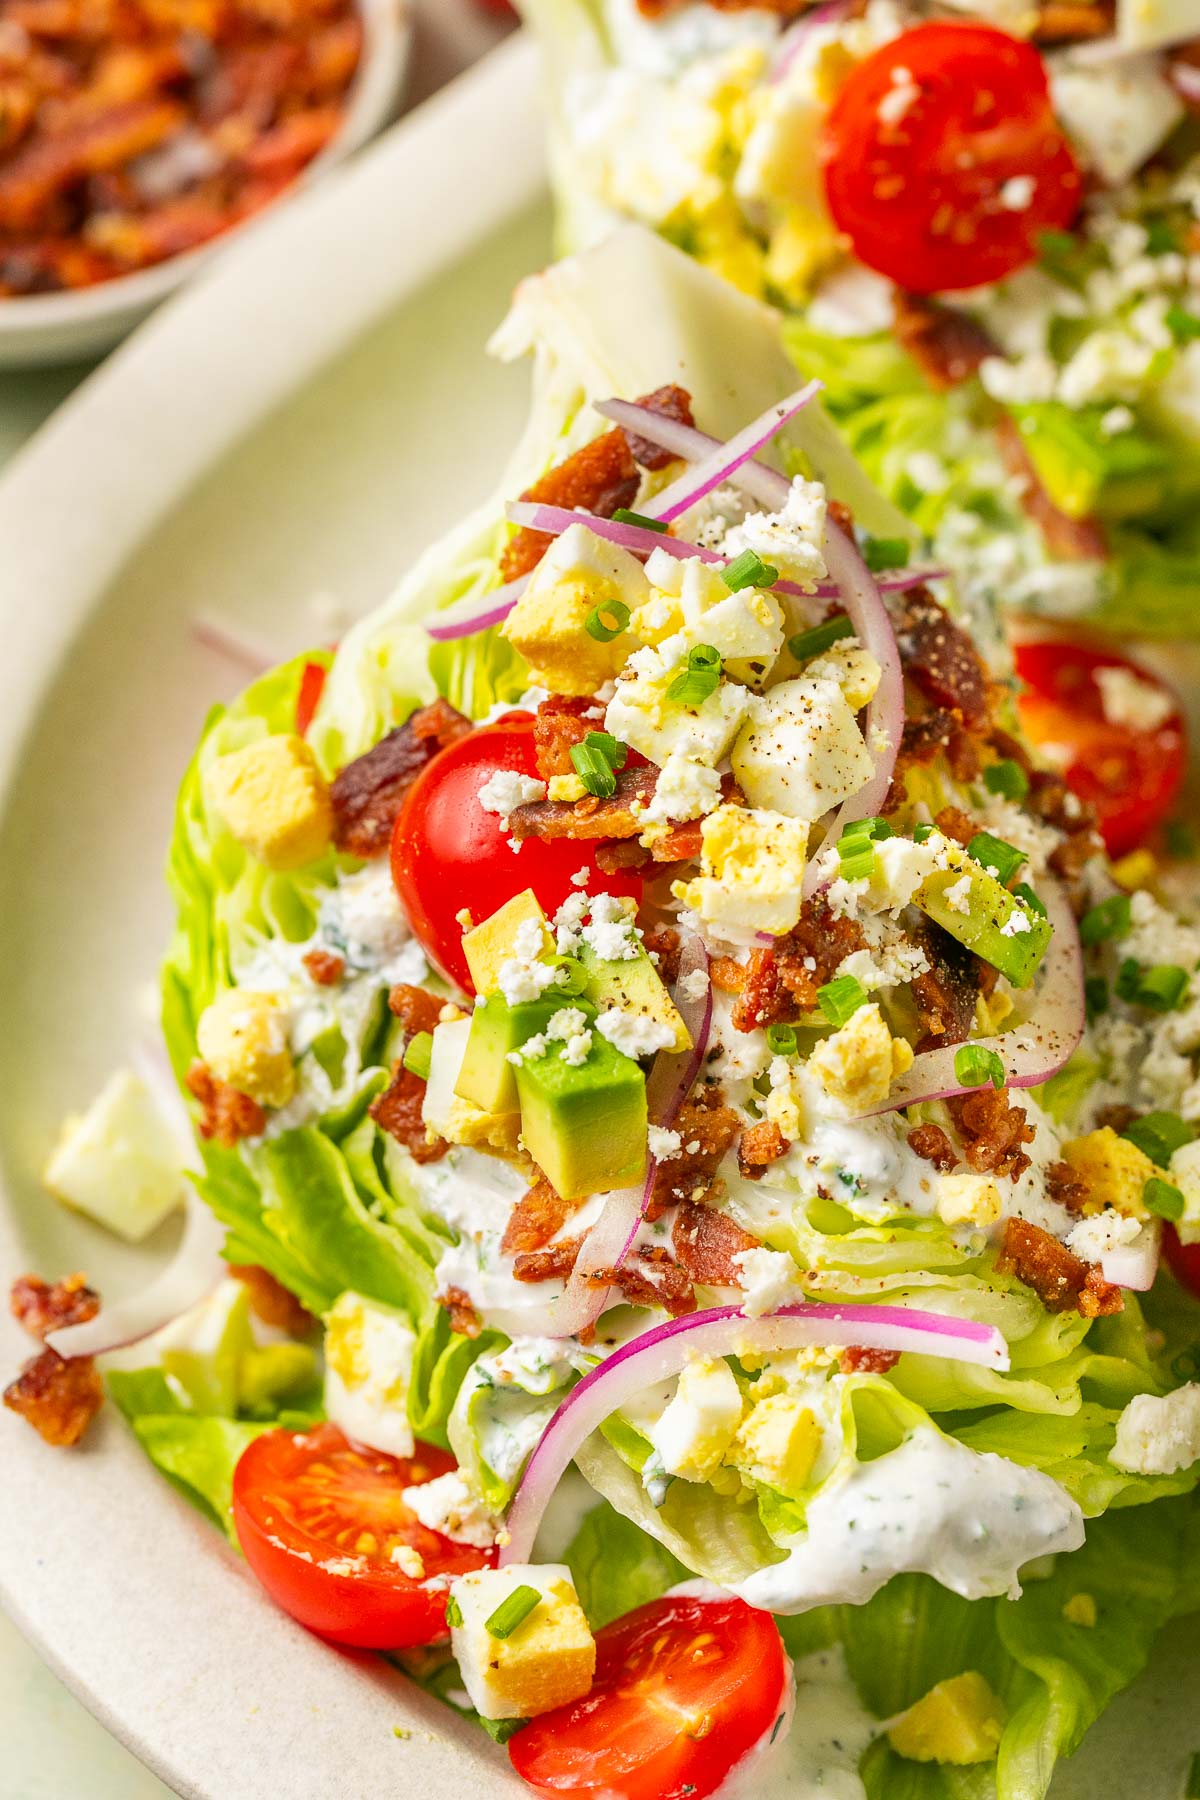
818, 1757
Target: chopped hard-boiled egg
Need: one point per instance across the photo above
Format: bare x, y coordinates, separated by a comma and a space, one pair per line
1117, 113
855, 670
548, 625
642, 714
243, 1037
858, 1064
801, 751
368, 1366
968, 1199
118, 1162
960, 1721
1185, 1173
691, 604
1159, 1434
543, 1660
698, 1424
1114, 1170
751, 867
274, 801
777, 1442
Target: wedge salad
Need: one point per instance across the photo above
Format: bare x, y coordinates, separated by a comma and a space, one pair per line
697, 1112
981, 223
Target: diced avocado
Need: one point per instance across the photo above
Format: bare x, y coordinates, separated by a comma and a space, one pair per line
487, 1079
959, 1721
445, 1113
634, 985
585, 1124
979, 924
495, 941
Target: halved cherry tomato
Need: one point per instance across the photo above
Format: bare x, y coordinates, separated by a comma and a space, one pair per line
1183, 1259
312, 686
318, 1519
943, 160
447, 853
684, 1688
1130, 776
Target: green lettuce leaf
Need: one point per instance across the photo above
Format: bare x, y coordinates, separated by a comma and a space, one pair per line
616, 1566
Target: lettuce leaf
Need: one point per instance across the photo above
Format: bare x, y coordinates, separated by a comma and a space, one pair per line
616, 1566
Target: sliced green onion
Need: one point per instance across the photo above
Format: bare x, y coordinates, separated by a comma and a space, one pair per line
973, 1066
418, 1054
1162, 1199
1006, 778
512, 1612
875, 828
596, 624
1024, 892
623, 516
1159, 989
594, 771
884, 553
1182, 325
1159, 1135
993, 853
839, 1000
453, 1611
700, 680
856, 857
749, 570
922, 833
500, 1730
819, 637
614, 752
1161, 237
1112, 918
1095, 996
781, 1040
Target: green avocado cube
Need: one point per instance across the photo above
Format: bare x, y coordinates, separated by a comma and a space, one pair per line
981, 925
635, 985
486, 1078
584, 1125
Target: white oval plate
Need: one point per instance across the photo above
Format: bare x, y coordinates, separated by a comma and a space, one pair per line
261, 448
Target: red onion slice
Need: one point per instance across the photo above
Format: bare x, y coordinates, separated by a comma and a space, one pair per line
721, 463
660, 1353
1135, 1265
492, 609
794, 39
1186, 78
765, 485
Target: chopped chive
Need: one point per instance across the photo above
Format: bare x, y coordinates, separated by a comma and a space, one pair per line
1161, 237
856, 859
1159, 989
973, 1066
1183, 325
614, 752
700, 679
1006, 778
993, 853
781, 1040
867, 828
1159, 1135
749, 570
500, 1730
1162, 1199
624, 516
819, 637
922, 833
884, 553
840, 999
594, 770
453, 1611
1095, 996
1112, 918
596, 624
418, 1054
1024, 892
512, 1612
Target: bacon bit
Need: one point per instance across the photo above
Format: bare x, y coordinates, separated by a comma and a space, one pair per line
398, 1112
226, 1115
415, 1007
947, 345
558, 724
858, 1359
664, 942
59, 1396
1050, 799
628, 854
945, 994
655, 1280
535, 1218
1077, 540
954, 823
705, 1121
1064, 1185
41, 1308
935, 733
784, 9
931, 1142
761, 1145
779, 986
940, 659
324, 967
463, 1317
271, 1302
1117, 1117
1060, 1279
368, 792
706, 1242
615, 817
555, 1262
674, 403
992, 1131
728, 975
1062, 23
679, 843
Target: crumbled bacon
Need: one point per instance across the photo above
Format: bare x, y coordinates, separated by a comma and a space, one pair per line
620, 816
653, 1278
728, 975
664, 942
398, 1112
1062, 1281
599, 478
707, 1241
415, 1007
707, 1130
860, 1359
1077, 540
674, 403
556, 1261
226, 1115
945, 993
41, 1308
558, 724
761, 1145
954, 823
946, 344
59, 1396
1051, 799
537, 1215
992, 1131
627, 854
780, 984
1065, 22
1118, 1117
324, 967
940, 659
935, 733
463, 1317
678, 844
931, 1143
785, 9
271, 1302
1064, 1184
368, 792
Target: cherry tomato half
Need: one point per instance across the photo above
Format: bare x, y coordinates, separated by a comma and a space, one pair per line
1130, 775
318, 1519
312, 686
943, 160
447, 853
684, 1688
1183, 1259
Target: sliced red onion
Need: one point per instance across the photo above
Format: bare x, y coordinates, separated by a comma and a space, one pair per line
477, 615
797, 35
1031, 1054
1135, 1265
660, 1353
720, 464
765, 485
1186, 77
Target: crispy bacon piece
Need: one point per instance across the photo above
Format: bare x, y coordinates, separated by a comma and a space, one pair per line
780, 984
398, 1112
1063, 22
992, 1131
706, 1123
538, 1214
706, 1242
728, 975
368, 792
558, 724
325, 967
59, 1396
859, 1359
786, 9
946, 993
271, 1302
935, 733
590, 817
41, 1308
415, 1007
761, 1145
663, 941
626, 854
931, 1142
674, 403
1060, 1279
1051, 800
954, 823
46, 165
226, 1115
1064, 1184
556, 1261
946, 344
1077, 540
463, 1317
653, 1278
1118, 1117
940, 660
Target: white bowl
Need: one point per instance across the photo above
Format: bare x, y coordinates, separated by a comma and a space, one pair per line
53, 328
